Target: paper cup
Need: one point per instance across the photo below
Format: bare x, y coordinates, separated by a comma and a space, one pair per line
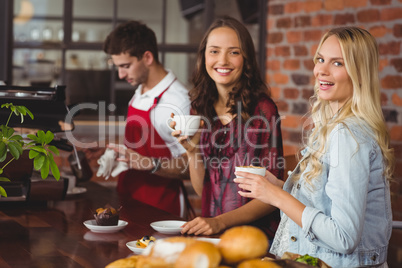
251, 169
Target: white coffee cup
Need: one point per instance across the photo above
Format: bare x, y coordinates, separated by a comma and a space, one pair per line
251, 169
187, 124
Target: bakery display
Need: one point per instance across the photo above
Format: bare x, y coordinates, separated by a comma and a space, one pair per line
238, 247
241, 243
107, 216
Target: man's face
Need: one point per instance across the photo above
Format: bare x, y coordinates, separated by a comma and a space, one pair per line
134, 71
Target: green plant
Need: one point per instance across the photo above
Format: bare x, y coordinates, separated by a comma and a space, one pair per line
38, 145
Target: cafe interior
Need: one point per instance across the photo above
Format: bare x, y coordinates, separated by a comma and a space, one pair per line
52, 62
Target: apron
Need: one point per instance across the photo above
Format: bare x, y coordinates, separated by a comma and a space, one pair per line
151, 189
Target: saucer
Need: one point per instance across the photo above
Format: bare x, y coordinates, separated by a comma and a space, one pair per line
77, 190
132, 246
168, 227
91, 225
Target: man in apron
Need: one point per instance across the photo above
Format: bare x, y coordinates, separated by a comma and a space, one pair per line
157, 163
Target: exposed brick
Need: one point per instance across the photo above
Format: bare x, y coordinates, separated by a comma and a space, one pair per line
270, 52
294, 36
382, 64
391, 82
392, 48
276, 9
291, 121
276, 92
397, 63
390, 116
280, 78
397, 30
300, 79
275, 38
390, 14
331, 5
312, 6
300, 50
307, 93
312, 35
300, 108
370, 15
291, 93
396, 133
295, 136
290, 149
291, 64
294, 7
283, 106
284, 23
268, 78
396, 100
379, 31
282, 51
313, 49
309, 64
302, 21
344, 19
384, 99
321, 20
273, 65
380, 2
397, 153
271, 24
356, 3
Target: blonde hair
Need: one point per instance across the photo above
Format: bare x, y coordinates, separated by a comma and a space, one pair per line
360, 53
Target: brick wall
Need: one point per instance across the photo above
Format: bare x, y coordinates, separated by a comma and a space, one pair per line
294, 31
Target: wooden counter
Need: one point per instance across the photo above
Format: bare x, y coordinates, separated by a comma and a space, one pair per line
52, 234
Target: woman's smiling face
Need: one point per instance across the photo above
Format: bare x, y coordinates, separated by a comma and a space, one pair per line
330, 72
223, 57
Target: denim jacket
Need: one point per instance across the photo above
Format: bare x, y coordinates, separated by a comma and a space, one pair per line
347, 221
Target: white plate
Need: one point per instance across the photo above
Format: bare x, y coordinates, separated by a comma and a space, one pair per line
168, 227
132, 246
77, 190
91, 225
209, 239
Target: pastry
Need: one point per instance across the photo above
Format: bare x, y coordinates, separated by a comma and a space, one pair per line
241, 243
200, 254
107, 216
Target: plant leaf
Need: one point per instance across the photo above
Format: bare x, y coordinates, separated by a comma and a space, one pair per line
14, 150
3, 151
39, 149
44, 171
33, 137
4, 179
48, 137
41, 136
3, 192
53, 149
38, 161
33, 154
54, 168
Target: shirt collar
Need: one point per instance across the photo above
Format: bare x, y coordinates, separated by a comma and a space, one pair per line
158, 89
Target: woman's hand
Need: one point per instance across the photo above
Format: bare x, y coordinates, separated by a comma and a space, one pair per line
189, 143
203, 226
262, 188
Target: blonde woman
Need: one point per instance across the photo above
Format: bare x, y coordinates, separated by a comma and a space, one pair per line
336, 204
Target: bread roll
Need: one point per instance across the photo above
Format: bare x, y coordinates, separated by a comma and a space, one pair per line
129, 262
200, 254
242, 243
258, 263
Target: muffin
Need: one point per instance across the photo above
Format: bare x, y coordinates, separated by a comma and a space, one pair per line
107, 216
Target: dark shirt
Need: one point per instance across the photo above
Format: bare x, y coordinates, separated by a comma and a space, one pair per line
258, 142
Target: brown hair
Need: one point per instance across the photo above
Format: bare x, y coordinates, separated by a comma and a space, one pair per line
131, 37
250, 87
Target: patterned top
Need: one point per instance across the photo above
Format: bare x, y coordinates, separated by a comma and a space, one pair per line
257, 142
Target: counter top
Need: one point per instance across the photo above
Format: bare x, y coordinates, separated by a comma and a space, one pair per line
52, 234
